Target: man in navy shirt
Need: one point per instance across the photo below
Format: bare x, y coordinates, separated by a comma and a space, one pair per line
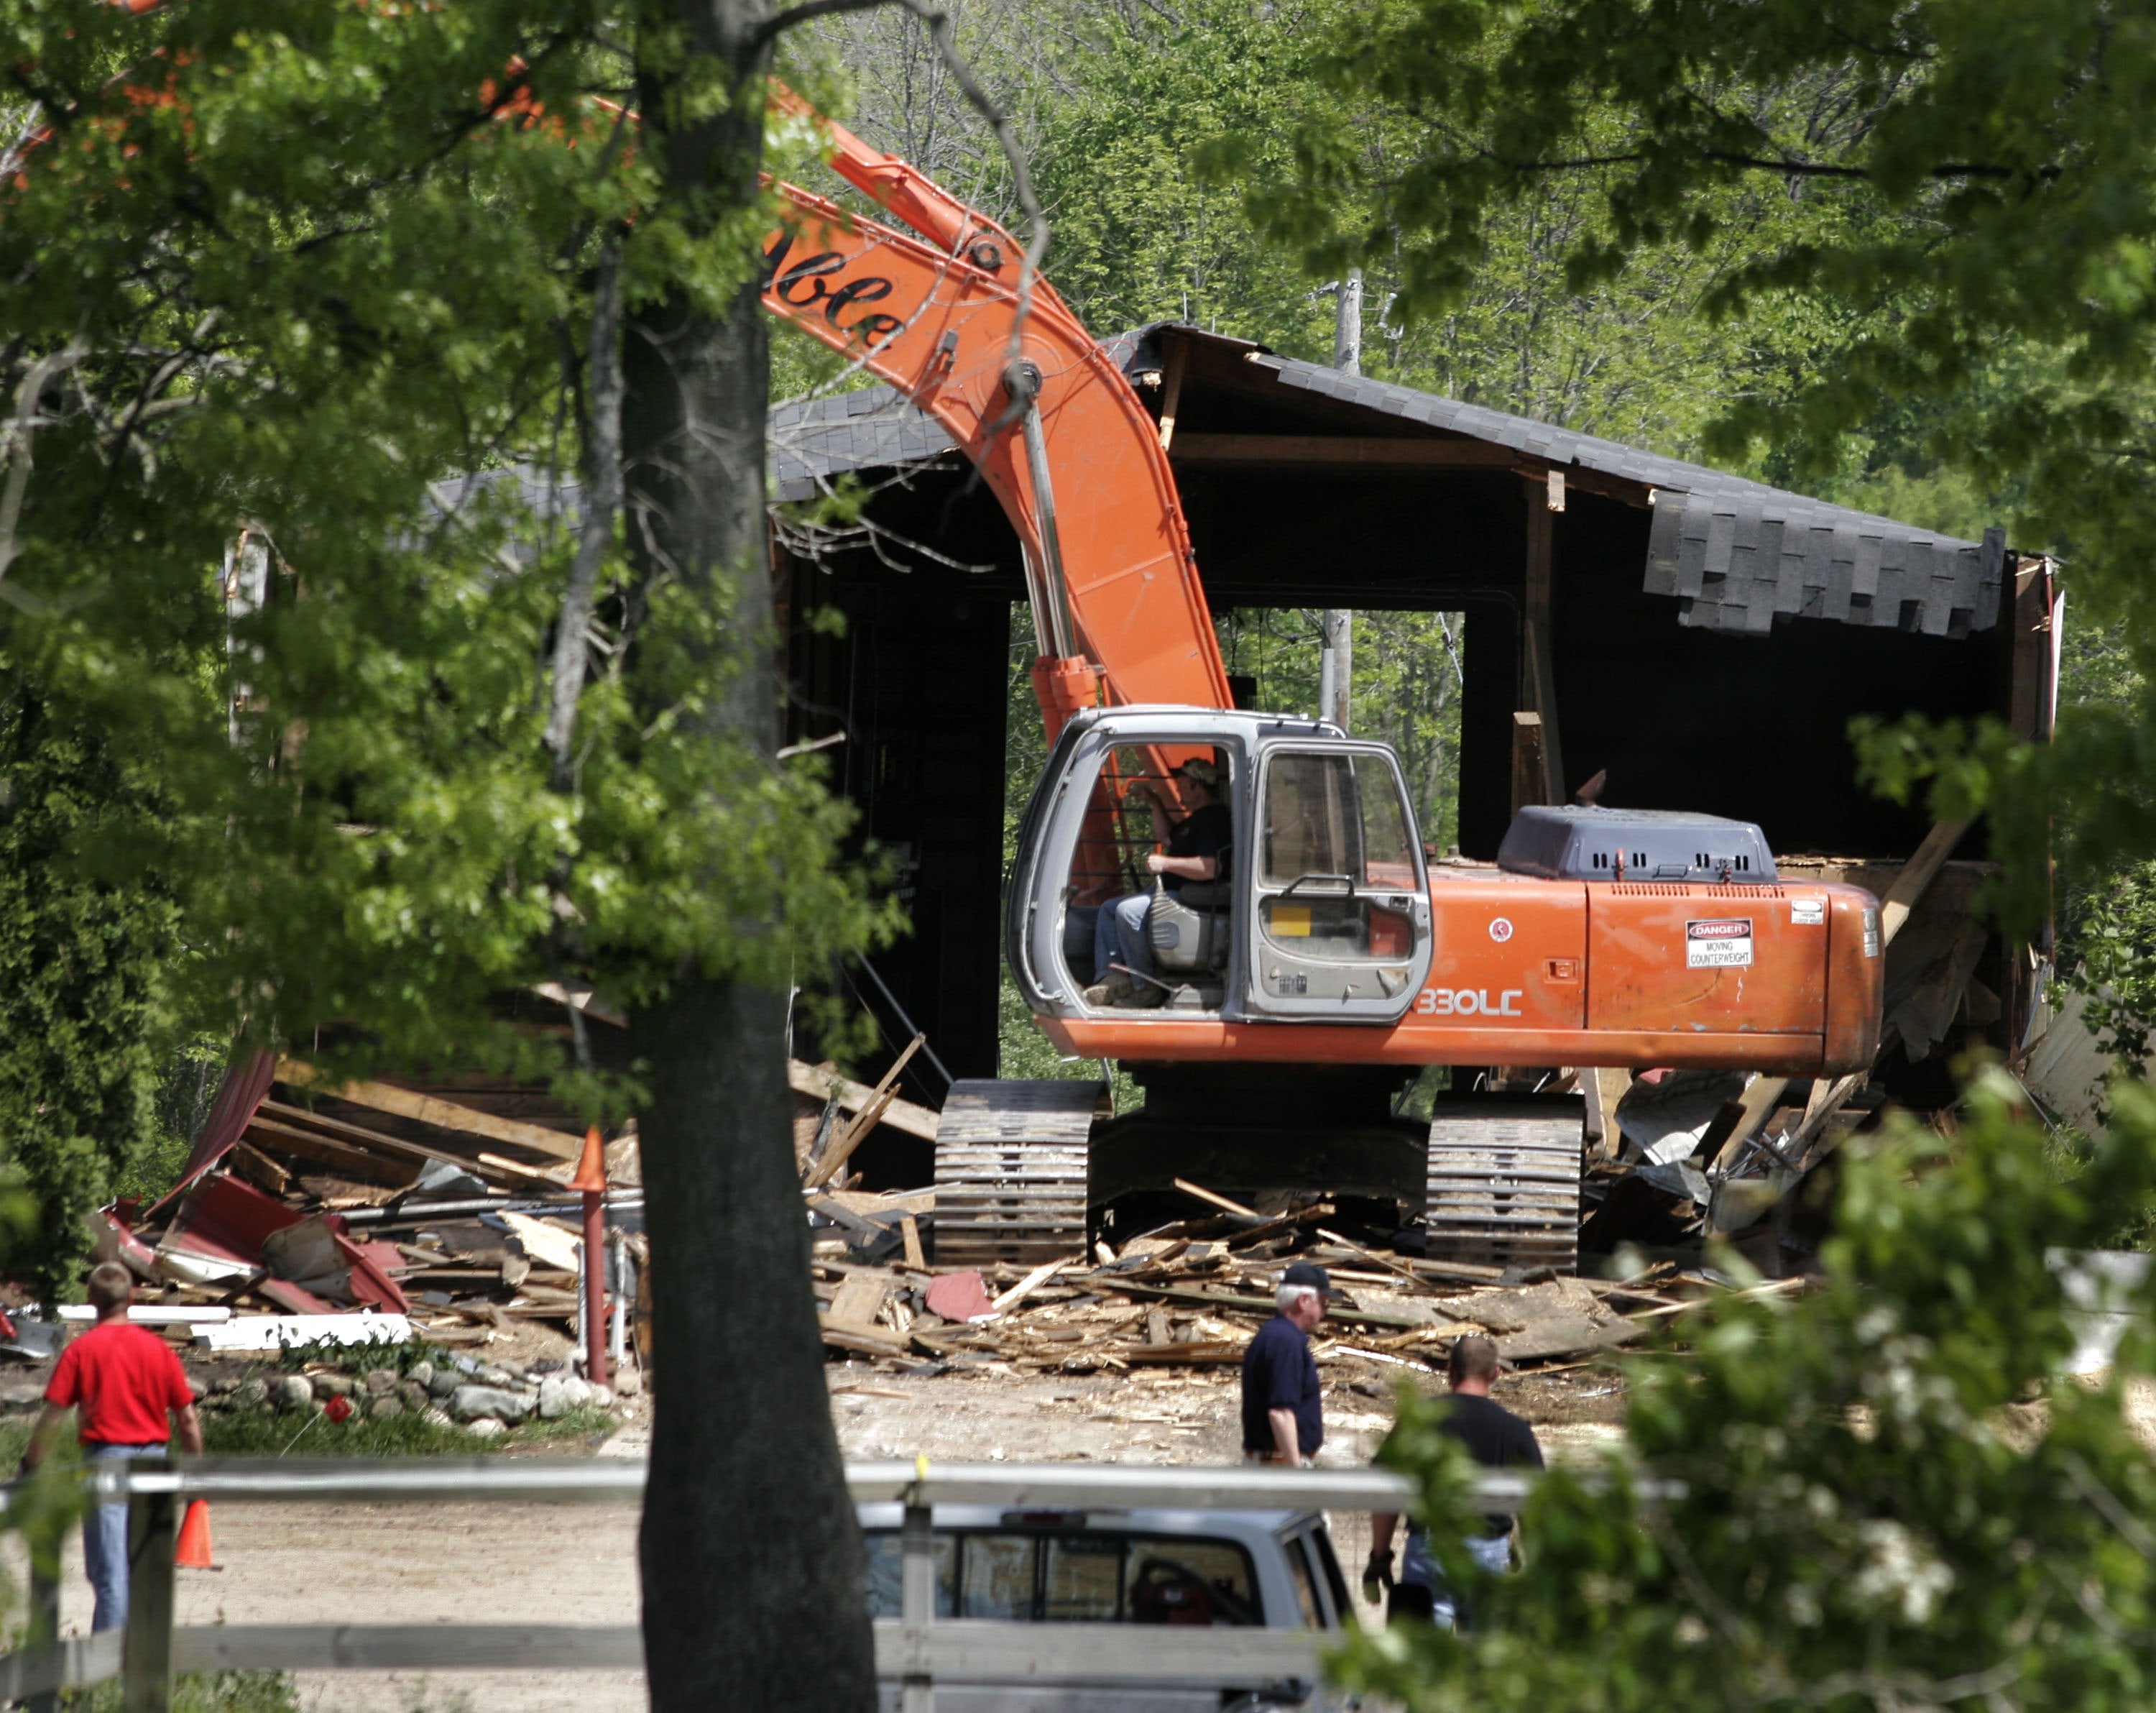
1196, 844
1281, 1422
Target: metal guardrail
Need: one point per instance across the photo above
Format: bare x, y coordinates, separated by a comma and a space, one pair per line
915, 1648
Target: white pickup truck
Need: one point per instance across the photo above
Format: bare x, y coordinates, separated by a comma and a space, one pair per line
1126, 1571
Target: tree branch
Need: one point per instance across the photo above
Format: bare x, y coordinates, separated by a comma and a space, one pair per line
601, 504
769, 30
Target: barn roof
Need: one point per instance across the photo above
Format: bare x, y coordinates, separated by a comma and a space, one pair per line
1735, 554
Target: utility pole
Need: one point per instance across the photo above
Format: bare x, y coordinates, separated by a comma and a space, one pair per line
1336, 663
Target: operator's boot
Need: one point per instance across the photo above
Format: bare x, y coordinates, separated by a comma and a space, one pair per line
1116, 988
1143, 996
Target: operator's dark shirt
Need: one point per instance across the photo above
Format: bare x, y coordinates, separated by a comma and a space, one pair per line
1210, 832
1494, 1437
1278, 1373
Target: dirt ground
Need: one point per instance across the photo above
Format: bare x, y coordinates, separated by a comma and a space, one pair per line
385, 1564
379, 1564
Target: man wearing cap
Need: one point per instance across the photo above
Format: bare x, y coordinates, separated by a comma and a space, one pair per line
1196, 843
1497, 1439
1282, 1423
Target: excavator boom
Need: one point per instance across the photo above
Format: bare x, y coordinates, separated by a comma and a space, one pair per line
1108, 555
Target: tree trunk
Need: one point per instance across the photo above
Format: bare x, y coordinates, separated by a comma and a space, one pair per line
754, 1593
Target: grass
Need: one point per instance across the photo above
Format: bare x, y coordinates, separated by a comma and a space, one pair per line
232, 1692
209, 1692
256, 1433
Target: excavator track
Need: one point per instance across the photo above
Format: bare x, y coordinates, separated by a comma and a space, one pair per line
1504, 1186
1010, 1171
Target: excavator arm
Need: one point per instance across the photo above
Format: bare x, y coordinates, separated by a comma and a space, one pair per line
1114, 586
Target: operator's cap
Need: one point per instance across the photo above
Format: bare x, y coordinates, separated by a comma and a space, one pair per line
1199, 771
1304, 1273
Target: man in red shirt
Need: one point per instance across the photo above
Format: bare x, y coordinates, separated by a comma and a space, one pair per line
122, 1380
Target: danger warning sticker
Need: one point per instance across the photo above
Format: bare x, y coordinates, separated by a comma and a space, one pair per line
1723, 944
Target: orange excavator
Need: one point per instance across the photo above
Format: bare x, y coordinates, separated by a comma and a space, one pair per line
1281, 999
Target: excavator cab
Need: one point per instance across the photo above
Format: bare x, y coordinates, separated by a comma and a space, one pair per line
1320, 908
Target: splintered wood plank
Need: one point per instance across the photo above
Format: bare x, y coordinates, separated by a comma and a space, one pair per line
342, 1158
428, 1109
859, 1301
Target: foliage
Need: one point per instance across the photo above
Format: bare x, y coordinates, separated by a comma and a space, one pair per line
205, 1692
81, 954
1888, 1499
262, 1433
227, 325
1139, 236
1976, 278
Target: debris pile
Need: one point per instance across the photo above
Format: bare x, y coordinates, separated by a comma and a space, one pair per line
367, 1212
1192, 1294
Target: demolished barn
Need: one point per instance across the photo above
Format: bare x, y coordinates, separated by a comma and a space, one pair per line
1701, 642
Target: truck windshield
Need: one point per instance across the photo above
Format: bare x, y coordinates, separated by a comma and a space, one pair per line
1090, 1577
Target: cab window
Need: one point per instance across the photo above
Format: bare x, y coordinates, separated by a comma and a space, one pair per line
1093, 1576
1306, 1588
1333, 828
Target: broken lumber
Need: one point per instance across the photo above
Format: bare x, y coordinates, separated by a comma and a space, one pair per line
1220, 1201
1916, 874
872, 1114
430, 1109
819, 1083
1252, 1305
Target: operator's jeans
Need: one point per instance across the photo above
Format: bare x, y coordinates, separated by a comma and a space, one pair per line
1119, 936
1418, 1569
105, 1541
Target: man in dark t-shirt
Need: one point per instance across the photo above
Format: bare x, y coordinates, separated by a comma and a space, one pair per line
1283, 1422
1196, 845
1497, 1439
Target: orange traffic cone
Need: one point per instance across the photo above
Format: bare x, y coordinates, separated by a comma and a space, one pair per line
193, 1551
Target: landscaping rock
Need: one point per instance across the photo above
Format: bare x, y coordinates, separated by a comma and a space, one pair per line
435, 1418
292, 1393
414, 1393
485, 1427
627, 1381
497, 1374
330, 1385
421, 1372
379, 1382
603, 1396
387, 1408
252, 1394
561, 1393
471, 1403
443, 1382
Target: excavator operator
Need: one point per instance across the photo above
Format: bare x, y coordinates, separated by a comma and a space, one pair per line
1122, 953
